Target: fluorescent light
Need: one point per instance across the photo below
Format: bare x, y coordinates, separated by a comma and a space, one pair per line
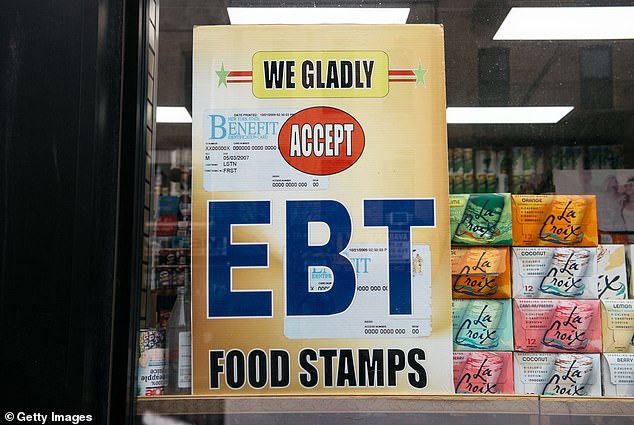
318, 15
567, 23
507, 115
172, 114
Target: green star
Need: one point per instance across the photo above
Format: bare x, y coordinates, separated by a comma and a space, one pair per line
222, 75
420, 75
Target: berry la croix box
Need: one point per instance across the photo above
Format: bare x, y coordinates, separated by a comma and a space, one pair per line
618, 374
483, 372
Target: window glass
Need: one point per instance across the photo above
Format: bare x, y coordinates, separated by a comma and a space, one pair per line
585, 148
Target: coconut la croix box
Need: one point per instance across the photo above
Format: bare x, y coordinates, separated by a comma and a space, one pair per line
570, 272
554, 220
563, 272
480, 219
481, 272
550, 325
557, 374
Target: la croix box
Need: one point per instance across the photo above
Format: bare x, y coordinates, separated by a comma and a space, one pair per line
612, 272
554, 325
483, 372
557, 374
618, 374
481, 272
554, 220
482, 325
618, 326
569, 272
480, 219
547, 272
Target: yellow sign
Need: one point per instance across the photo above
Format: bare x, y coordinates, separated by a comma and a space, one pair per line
320, 241
320, 74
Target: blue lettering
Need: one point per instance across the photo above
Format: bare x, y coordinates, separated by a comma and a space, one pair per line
222, 256
325, 261
217, 124
300, 256
399, 216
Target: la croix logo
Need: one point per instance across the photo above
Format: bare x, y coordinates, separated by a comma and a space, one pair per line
567, 383
479, 382
561, 228
478, 333
481, 224
473, 280
562, 281
566, 335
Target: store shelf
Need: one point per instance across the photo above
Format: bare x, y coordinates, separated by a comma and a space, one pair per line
438, 409
588, 406
262, 405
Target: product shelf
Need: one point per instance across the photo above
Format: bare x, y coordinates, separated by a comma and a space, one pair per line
588, 406
515, 404
441, 409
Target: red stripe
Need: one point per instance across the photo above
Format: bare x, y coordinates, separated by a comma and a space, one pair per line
400, 72
240, 73
402, 80
239, 81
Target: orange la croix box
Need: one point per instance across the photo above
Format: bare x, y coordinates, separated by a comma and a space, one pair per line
554, 220
481, 272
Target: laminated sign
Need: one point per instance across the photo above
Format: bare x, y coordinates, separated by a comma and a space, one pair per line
320, 241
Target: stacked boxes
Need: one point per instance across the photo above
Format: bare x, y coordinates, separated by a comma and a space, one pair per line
617, 312
482, 310
572, 322
557, 319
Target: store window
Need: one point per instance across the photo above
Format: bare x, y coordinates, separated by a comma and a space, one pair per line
557, 294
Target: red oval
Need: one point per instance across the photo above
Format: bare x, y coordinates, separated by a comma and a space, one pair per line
321, 140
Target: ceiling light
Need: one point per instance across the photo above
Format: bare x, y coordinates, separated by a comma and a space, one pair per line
172, 114
507, 115
567, 23
317, 15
